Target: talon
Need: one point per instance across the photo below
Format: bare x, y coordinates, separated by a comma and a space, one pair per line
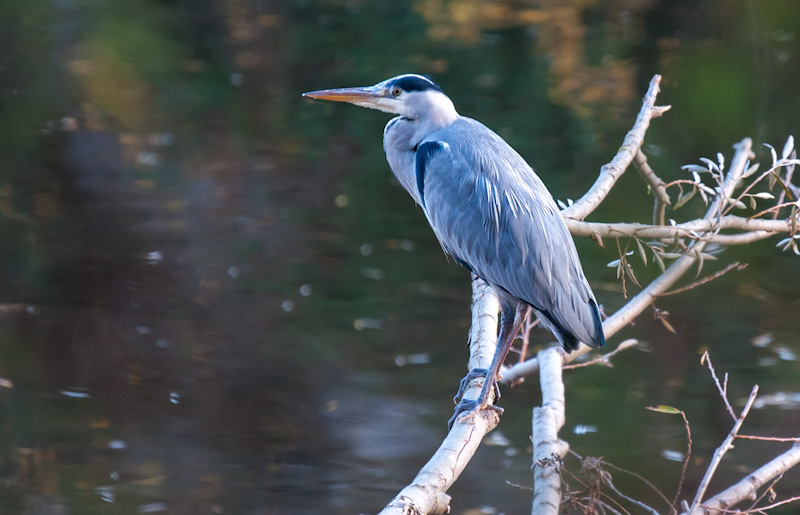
462, 386
468, 408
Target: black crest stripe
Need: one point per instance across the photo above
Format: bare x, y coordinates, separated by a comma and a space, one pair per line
415, 83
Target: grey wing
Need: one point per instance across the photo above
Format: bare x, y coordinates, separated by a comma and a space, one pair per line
505, 226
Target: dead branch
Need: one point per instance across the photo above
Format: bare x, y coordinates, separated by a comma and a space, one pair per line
612, 171
727, 445
706, 279
605, 359
657, 185
705, 359
747, 488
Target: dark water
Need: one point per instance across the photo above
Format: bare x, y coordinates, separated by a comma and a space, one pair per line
208, 284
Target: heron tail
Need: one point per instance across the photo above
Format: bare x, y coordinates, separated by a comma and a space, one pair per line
587, 327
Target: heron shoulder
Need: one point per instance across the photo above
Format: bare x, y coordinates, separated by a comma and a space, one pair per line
486, 156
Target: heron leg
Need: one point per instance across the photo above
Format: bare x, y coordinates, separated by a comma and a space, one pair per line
511, 319
472, 374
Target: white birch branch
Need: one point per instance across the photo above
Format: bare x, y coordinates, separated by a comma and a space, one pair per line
426, 493
548, 449
690, 229
747, 488
612, 171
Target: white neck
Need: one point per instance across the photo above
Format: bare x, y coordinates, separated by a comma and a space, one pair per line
432, 108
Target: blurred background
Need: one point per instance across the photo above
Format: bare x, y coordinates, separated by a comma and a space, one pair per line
214, 298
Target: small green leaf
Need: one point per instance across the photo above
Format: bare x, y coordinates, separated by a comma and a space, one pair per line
669, 410
783, 186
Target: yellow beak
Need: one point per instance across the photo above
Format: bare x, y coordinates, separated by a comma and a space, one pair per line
352, 95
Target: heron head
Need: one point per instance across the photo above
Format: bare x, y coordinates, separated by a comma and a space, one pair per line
411, 96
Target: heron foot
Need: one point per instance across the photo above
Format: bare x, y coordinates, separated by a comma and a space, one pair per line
474, 374
468, 408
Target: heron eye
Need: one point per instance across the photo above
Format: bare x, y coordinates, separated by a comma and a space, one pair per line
396, 92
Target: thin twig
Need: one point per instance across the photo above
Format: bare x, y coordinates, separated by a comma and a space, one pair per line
629, 499
605, 358
788, 181
657, 186
765, 492
756, 510
640, 478
685, 462
768, 438
592, 501
727, 445
738, 266
723, 390
774, 209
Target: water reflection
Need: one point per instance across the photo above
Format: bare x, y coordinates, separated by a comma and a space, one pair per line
209, 288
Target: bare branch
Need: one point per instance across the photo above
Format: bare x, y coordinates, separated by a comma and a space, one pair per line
685, 461
426, 493
612, 171
548, 449
768, 438
605, 359
630, 499
749, 485
723, 389
639, 477
727, 445
690, 229
738, 266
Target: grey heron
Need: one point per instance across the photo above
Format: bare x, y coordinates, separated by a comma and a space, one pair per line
489, 211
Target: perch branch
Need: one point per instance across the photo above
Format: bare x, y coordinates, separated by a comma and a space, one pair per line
426, 493
548, 449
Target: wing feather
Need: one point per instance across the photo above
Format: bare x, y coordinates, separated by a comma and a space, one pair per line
492, 212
